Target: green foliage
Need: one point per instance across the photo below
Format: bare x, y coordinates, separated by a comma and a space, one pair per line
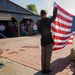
32, 7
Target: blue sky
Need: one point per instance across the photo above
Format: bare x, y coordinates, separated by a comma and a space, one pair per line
40, 4
68, 5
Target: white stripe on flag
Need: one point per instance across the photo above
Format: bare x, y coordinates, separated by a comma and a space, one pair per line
60, 28
64, 15
62, 41
63, 22
60, 35
60, 46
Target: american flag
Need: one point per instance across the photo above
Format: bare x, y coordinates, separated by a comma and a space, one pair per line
62, 29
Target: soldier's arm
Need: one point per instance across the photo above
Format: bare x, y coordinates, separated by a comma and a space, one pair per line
54, 15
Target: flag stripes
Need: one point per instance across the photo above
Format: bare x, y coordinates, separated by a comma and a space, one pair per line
61, 29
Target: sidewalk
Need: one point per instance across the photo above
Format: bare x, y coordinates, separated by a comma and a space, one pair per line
13, 68
25, 53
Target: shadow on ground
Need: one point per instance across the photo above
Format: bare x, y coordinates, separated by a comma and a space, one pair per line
72, 67
61, 64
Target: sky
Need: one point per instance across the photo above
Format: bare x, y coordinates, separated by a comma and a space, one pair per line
68, 5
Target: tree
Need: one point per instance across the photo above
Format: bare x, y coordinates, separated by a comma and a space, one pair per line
32, 7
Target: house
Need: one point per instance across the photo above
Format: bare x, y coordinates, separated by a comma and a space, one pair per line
11, 13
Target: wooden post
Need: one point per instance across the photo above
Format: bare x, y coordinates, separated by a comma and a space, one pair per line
18, 29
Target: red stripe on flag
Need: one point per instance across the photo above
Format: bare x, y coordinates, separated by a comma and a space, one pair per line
62, 46
63, 18
59, 31
65, 12
57, 48
70, 43
62, 25
61, 43
59, 37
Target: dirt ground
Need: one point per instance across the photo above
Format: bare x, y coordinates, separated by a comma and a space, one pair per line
27, 51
